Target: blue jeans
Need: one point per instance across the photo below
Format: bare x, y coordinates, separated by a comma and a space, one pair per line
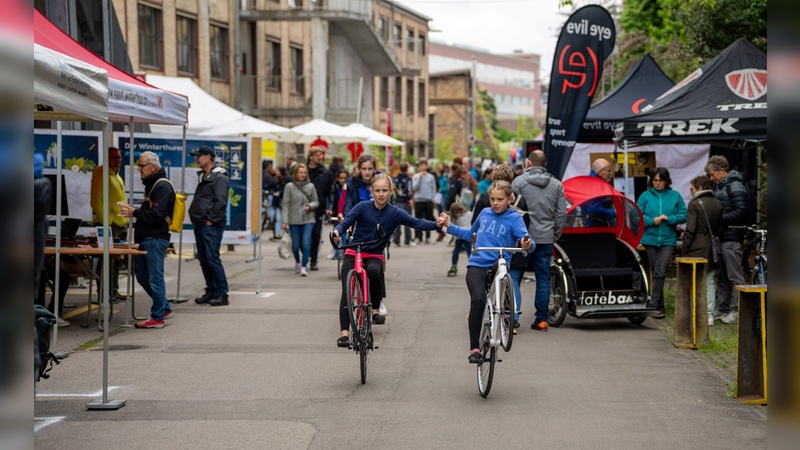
457, 246
396, 238
277, 219
541, 269
516, 277
208, 239
301, 239
150, 274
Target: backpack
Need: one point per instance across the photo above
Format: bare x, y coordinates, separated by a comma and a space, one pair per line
751, 217
178, 210
43, 324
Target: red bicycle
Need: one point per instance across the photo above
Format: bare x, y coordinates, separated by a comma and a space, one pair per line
359, 307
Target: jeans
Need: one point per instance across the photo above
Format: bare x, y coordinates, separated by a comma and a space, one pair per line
208, 239
277, 220
541, 269
729, 274
316, 238
711, 296
516, 278
659, 259
301, 239
423, 209
459, 244
407, 208
150, 275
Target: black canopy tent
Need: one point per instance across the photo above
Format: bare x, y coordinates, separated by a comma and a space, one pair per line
723, 103
643, 84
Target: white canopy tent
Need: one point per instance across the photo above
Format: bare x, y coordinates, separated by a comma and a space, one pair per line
246, 125
326, 131
73, 89
373, 137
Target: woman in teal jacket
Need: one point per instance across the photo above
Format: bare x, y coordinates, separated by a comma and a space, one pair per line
663, 209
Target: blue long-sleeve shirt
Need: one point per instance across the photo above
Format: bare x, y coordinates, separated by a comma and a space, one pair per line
366, 217
493, 230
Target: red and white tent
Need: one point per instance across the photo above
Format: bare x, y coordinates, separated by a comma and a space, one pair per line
128, 97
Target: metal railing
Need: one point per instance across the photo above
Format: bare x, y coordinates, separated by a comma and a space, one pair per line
360, 7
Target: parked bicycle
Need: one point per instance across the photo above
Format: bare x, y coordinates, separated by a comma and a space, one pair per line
754, 255
498, 317
359, 307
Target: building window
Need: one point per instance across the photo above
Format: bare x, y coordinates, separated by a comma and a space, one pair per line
273, 59
219, 52
422, 44
150, 38
384, 100
410, 40
383, 28
397, 36
421, 99
186, 35
298, 81
409, 96
398, 94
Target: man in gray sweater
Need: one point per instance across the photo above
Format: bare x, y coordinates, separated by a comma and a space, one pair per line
547, 209
424, 186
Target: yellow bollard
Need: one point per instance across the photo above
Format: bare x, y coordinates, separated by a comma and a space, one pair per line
691, 310
751, 354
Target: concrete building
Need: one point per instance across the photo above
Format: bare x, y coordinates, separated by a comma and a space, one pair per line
512, 80
451, 106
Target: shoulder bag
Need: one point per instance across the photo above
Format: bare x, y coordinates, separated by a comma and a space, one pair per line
716, 245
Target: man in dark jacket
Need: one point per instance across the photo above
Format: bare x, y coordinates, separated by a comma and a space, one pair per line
152, 234
323, 180
547, 209
209, 213
734, 212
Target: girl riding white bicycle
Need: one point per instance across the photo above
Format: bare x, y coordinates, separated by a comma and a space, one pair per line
365, 218
497, 226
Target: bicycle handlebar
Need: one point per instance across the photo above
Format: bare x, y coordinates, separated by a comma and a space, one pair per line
352, 244
754, 228
499, 249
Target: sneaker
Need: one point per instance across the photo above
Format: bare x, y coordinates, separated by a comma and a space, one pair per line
378, 319
731, 317
150, 323
515, 330
659, 315
204, 299
331, 255
516, 324
711, 321
314, 265
539, 325
475, 357
62, 323
303, 272
427, 241
719, 314
169, 315
452, 272
412, 244
297, 268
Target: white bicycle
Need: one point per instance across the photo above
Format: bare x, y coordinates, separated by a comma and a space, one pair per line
498, 317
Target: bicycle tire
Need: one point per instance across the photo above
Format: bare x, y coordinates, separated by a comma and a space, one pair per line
363, 355
356, 306
557, 307
486, 368
507, 307
339, 259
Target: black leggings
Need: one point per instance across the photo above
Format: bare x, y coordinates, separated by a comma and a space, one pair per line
476, 284
374, 268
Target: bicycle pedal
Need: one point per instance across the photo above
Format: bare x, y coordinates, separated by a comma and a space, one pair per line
499, 360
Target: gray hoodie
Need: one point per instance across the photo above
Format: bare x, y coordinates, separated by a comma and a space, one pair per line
547, 206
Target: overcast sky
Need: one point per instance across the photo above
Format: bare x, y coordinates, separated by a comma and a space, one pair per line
499, 26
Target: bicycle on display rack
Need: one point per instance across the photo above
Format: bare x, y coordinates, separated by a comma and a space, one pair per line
359, 307
498, 317
754, 254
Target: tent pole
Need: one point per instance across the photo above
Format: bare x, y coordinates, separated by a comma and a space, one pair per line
129, 281
178, 298
59, 188
757, 190
625, 155
105, 404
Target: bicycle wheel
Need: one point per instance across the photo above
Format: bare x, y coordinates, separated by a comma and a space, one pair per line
557, 309
486, 368
356, 306
507, 306
363, 355
340, 257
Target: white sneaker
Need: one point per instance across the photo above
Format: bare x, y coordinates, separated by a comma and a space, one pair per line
62, 323
710, 321
303, 272
297, 268
719, 314
731, 317
383, 310
413, 244
331, 255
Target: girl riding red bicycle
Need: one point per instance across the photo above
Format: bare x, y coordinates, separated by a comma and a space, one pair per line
364, 218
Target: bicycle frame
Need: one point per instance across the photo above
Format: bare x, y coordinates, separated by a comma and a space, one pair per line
495, 295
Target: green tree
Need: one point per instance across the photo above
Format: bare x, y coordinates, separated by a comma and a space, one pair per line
444, 149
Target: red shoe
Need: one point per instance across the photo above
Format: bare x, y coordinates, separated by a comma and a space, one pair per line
539, 325
169, 315
150, 323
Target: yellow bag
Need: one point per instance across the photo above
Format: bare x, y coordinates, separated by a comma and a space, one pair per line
178, 211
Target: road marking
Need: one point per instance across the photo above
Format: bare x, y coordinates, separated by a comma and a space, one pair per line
90, 395
41, 422
262, 294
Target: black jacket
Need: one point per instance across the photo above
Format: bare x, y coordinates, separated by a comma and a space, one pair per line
159, 201
210, 201
323, 180
734, 206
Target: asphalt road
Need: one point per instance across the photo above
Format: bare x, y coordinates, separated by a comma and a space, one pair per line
265, 372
